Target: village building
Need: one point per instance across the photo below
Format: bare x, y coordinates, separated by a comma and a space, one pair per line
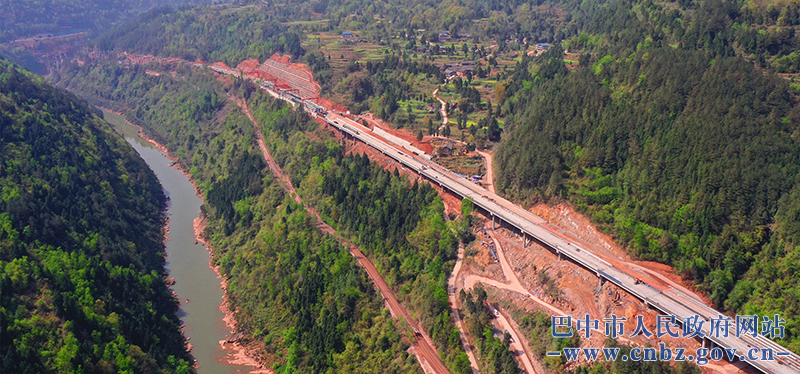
457, 70
542, 47
348, 37
445, 150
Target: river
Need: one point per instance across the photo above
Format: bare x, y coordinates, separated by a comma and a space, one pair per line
196, 284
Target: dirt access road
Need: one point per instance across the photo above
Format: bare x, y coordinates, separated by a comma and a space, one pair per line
452, 294
443, 110
424, 345
512, 284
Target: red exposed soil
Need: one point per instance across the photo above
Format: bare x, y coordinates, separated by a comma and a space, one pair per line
247, 66
285, 59
222, 65
331, 105
574, 225
452, 204
578, 292
577, 289
376, 156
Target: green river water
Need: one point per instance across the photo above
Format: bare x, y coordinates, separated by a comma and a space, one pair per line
187, 259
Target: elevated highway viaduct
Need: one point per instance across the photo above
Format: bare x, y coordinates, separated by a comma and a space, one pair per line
530, 227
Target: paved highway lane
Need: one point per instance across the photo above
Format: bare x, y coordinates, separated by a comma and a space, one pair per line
673, 303
681, 306
531, 226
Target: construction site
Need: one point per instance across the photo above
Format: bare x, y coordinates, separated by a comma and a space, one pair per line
520, 274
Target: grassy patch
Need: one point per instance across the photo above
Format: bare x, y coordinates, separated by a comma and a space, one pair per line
463, 164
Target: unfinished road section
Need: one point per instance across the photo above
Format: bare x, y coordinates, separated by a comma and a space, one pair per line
531, 228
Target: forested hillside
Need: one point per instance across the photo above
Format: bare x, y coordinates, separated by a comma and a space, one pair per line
764, 32
228, 35
394, 75
297, 292
687, 153
31, 18
82, 281
673, 131
234, 35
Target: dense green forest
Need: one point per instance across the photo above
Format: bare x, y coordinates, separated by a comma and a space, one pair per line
294, 290
251, 223
399, 225
233, 35
23, 19
688, 156
82, 280
672, 131
396, 86
496, 357
763, 32
226, 34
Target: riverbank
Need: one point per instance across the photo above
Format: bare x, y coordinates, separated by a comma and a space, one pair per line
236, 353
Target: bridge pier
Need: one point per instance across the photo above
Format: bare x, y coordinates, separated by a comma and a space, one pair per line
524, 240
493, 224
708, 343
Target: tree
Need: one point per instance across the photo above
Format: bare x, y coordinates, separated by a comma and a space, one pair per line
466, 206
493, 130
554, 63
419, 135
499, 92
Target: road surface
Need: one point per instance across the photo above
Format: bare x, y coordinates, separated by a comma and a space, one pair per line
531, 226
442, 110
453, 295
680, 305
516, 344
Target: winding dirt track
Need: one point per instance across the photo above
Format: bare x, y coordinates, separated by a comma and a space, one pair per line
512, 284
441, 110
451, 291
518, 349
424, 351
